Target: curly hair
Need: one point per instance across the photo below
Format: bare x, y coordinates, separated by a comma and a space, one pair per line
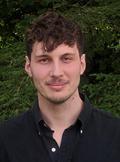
52, 29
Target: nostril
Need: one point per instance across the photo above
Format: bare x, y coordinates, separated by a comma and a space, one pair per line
55, 74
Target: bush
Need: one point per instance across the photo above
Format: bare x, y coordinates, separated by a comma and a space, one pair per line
101, 26
16, 88
17, 93
104, 91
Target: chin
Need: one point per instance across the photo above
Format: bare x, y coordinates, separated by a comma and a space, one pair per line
58, 99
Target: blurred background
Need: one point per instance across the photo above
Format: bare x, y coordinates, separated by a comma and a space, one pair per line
100, 22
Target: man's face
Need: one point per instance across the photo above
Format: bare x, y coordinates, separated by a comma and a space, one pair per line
56, 74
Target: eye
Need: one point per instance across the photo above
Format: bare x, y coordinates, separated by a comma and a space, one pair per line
67, 59
44, 60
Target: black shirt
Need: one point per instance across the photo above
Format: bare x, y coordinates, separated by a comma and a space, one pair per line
64, 152
95, 137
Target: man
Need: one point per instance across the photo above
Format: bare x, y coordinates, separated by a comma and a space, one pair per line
62, 126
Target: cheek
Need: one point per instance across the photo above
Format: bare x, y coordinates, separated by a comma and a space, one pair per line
74, 70
39, 72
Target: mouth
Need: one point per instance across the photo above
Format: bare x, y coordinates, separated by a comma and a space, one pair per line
57, 86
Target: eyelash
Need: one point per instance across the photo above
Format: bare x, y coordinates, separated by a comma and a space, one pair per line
65, 59
44, 60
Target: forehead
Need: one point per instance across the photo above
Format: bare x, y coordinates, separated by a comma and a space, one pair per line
38, 49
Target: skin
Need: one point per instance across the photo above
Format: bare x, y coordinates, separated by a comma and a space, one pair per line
56, 76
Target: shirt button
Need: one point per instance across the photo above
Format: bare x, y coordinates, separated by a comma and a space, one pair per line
53, 149
81, 131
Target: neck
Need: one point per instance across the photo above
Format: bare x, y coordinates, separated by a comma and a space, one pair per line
61, 116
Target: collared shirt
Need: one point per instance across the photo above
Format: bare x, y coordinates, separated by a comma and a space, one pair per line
64, 152
70, 134
95, 137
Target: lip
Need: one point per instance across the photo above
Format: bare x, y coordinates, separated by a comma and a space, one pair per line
57, 86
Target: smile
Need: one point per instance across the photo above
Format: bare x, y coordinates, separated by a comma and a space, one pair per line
57, 86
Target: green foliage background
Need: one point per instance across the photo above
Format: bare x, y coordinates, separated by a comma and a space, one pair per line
99, 20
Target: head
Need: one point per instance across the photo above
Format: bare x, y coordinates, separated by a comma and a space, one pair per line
55, 58
52, 30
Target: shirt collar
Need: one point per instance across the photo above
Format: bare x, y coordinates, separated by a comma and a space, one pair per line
86, 110
37, 114
83, 117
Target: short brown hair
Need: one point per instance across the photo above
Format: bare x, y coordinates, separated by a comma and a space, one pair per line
52, 29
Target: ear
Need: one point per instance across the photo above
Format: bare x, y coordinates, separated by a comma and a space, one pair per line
28, 66
82, 64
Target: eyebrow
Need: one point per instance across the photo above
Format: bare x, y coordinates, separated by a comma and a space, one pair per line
43, 55
69, 53
47, 55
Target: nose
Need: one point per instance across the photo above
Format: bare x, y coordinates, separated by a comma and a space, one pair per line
56, 70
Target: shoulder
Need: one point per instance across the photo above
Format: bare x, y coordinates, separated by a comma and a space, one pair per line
105, 121
104, 116
15, 133
16, 124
